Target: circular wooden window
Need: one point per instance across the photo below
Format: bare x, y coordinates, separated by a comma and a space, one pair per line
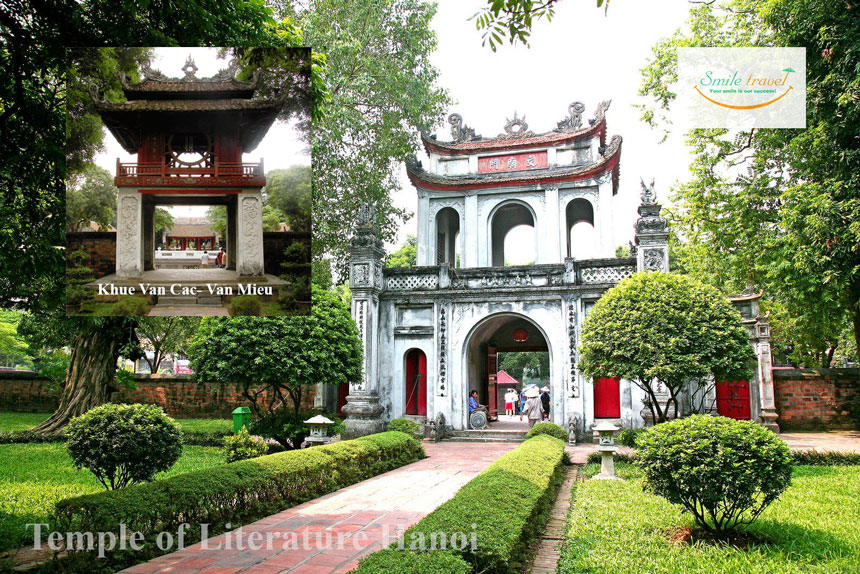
190, 149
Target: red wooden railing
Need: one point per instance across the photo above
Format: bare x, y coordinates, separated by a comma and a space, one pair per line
216, 170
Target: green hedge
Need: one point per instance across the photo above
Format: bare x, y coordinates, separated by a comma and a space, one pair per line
392, 561
551, 429
238, 492
195, 438
826, 458
506, 506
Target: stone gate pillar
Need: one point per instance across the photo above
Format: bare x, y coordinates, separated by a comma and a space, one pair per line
365, 280
652, 233
763, 407
129, 234
249, 240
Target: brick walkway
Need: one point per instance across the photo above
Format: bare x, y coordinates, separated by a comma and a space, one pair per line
545, 559
329, 534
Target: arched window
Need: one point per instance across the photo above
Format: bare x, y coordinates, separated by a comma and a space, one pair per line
447, 234
513, 235
416, 382
581, 235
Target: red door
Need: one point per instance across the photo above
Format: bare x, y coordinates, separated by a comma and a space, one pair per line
607, 399
416, 382
733, 399
492, 380
342, 392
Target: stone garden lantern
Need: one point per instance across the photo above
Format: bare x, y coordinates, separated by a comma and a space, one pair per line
607, 448
319, 430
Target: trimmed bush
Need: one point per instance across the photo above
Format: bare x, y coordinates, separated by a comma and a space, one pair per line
594, 457
124, 444
551, 429
290, 429
237, 492
243, 446
129, 306
246, 305
627, 437
405, 425
392, 561
725, 472
826, 458
26, 436
506, 506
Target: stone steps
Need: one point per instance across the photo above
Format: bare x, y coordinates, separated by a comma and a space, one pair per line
189, 300
487, 435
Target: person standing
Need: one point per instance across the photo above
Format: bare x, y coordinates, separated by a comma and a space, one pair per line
532, 408
219, 259
510, 399
545, 402
204, 260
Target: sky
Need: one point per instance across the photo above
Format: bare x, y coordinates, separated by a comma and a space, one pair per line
583, 55
280, 148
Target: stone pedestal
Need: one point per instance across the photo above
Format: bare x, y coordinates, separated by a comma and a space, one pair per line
364, 415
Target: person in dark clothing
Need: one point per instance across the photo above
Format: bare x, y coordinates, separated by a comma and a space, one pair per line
545, 402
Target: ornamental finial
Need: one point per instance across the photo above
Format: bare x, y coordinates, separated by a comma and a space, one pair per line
649, 196
190, 68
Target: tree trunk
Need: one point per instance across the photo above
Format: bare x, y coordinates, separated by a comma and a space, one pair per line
90, 380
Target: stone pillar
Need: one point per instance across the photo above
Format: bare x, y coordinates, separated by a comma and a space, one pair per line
129, 234
249, 240
364, 413
470, 237
758, 328
231, 235
550, 246
148, 236
652, 234
423, 255
603, 217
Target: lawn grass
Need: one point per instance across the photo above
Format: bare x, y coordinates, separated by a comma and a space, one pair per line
23, 421
614, 527
35, 476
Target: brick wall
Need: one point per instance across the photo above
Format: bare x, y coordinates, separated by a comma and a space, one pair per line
816, 399
178, 395
101, 246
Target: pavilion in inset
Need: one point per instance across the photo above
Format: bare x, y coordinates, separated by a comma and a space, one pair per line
189, 135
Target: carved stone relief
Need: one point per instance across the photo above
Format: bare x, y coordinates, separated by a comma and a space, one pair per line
442, 377
129, 232
653, 259
251, 239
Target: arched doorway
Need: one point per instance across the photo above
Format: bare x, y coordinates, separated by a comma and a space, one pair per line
447, 235
581, 235
484, 352
416, 382
517, 217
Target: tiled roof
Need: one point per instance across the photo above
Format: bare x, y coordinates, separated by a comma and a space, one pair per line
189, 105
609, 160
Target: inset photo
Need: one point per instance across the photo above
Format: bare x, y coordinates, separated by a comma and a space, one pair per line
199, 202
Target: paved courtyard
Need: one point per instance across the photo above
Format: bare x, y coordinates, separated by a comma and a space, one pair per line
329, 534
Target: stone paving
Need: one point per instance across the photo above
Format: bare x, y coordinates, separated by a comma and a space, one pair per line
548, 551
357, 520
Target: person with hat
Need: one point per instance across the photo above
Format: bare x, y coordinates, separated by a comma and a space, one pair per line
545, 402
532, 409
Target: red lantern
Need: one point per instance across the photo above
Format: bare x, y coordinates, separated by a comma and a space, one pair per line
521, 335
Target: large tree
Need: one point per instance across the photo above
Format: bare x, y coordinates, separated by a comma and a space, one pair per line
90, 197
664, 330
278, 359
383, 89
778, 207
406, 256
165, 335
96, 344
289, 191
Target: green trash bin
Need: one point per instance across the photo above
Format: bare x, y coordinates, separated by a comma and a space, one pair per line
241, 417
